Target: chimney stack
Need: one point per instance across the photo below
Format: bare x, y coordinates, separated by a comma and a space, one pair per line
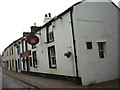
47, 17
35, 24
34, 28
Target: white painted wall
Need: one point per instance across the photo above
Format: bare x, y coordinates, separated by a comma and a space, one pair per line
21, 58
63, 39
10, 57
96, 22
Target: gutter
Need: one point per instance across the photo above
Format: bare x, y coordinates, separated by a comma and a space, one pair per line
78, 79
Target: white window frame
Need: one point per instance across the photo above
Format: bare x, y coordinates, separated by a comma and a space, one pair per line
50, 34
52, 57
101, 49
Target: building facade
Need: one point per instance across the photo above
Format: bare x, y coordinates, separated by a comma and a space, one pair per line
9, 57
79, 45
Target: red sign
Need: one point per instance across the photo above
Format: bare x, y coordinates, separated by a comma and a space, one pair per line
32, 39
25, 54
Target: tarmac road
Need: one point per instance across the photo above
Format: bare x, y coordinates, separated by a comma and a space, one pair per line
10, 82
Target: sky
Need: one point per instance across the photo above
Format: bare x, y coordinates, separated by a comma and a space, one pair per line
17, 16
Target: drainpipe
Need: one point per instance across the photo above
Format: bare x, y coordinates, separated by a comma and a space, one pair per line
78, 80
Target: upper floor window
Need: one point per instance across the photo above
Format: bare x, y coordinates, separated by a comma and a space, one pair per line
26, 45
12, 50
101, 48
18, 49
50, 34
7, 52
89, 45
22, 46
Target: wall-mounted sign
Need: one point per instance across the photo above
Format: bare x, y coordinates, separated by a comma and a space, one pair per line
32, 39
25, 54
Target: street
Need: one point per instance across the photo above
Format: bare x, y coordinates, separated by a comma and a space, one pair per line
10, 82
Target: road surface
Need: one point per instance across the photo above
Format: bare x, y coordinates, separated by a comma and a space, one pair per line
10, 82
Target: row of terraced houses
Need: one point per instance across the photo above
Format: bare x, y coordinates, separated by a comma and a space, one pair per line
79, 45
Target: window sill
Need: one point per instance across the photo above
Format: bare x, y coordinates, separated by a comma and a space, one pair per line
49, 42
52, 67
35, 67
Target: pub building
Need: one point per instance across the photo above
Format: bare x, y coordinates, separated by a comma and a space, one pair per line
77, 45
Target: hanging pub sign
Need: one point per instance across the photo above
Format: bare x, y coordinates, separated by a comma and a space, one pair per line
32, 39
25, 54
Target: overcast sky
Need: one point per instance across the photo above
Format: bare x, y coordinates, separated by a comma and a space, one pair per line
17, 16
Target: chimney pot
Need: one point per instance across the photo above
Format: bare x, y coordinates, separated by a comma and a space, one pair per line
45, 15
34, 24
49, 14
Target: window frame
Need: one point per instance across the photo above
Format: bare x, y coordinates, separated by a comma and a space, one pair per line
18, 49
26, 46
34, 58
101, 49
19, 64
51, 55
89, 45
23, 46
24, 64
30, 61
50, 33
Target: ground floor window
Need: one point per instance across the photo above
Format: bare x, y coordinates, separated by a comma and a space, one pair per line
12, 63
23, 60
19, 64
89, 45
52, 57
30, 59
34, 59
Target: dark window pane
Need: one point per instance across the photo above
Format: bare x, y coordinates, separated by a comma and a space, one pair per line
19, 64
101, 54
50, 35
34, 59
23, 65
101, 46
89, 45
30, 61
52, 57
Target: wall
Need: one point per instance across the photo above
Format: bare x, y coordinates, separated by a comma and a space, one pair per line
63, 43
29, 47
96, 22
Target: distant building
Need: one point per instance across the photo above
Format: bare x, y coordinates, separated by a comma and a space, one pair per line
9, 55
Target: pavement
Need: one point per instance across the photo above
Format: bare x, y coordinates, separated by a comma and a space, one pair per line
41, 82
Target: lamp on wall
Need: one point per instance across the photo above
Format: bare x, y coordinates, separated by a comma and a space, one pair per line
68, 54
